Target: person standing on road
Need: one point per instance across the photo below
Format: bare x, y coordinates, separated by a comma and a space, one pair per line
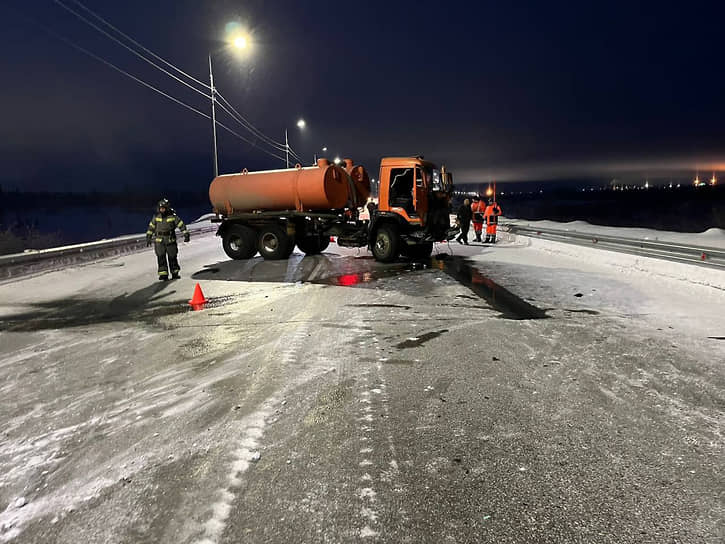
464, 221
493, 210
162, 231
478, 207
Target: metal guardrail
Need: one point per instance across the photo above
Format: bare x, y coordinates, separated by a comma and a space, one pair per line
691, 254
43, 260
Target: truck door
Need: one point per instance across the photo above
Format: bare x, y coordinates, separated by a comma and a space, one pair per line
420, 192
401, 189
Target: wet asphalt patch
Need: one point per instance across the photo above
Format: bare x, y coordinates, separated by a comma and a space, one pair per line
146, 305
401, 306
419, 340
363, 271
149, 304
581, 311
509, 305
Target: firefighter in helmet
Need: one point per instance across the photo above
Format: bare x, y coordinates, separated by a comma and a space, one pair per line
162, 231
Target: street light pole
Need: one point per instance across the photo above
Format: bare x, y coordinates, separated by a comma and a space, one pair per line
286, 146
213, 118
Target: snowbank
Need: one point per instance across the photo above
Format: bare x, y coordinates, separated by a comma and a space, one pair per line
625, 263
710, 238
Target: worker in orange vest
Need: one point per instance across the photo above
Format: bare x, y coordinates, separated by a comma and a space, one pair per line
493, 210
478, 208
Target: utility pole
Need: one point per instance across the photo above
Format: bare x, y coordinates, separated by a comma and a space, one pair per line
286, 146
213, 118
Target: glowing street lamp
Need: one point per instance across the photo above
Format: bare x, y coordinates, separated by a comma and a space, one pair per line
238, 42
713, 181
337, 160
300, 125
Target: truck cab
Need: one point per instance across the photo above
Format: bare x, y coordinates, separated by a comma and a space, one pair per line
413, 209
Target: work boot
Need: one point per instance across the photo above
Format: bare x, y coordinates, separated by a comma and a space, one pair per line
175, 276
163, 278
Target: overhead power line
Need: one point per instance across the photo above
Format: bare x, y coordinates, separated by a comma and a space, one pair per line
238, 117
121, 70
139, 55
140, 81
137, 44
246, 122
149, 86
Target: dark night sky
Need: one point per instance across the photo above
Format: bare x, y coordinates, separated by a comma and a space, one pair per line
504, 90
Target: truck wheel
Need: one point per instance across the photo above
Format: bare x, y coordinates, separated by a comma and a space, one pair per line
274, 243
239, 242
313, 245
419, 251
385, 247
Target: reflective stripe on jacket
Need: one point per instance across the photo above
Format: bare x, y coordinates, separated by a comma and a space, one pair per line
164, 226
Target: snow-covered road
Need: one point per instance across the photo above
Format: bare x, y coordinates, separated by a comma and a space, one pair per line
334, 399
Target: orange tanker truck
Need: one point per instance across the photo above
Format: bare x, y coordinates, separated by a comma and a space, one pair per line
272, 211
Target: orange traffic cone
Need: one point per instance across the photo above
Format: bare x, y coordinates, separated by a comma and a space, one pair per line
197, 301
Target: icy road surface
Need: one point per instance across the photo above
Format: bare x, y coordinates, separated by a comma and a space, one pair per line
519, 393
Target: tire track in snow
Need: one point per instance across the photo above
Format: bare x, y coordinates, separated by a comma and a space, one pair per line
374, 394
252, 431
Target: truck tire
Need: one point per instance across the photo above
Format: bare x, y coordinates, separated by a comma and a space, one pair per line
239, 242
419, 251
313, 245
274, 243
385, 245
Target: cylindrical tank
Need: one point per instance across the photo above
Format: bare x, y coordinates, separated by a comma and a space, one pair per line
322, 187
360, 179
